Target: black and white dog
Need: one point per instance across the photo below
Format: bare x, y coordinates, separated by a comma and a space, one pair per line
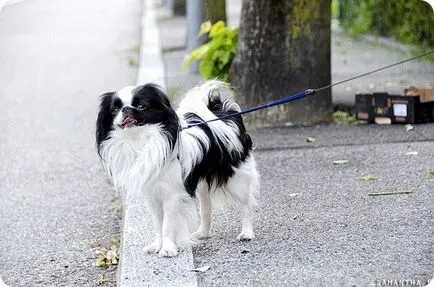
146, 151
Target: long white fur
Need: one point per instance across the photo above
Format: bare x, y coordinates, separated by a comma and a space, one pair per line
129, 153
244, 185
142, 165
196, 101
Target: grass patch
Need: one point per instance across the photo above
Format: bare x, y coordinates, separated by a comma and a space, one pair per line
340, 117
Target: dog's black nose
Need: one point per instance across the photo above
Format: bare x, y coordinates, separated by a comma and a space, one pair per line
126, 109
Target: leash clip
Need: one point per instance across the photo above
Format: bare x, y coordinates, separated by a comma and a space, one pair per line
310, 92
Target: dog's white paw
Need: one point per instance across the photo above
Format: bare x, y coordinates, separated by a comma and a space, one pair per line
168, 252
152, 248
200, 234
246, 235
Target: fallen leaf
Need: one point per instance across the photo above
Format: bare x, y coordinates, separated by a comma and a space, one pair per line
310, 140
431, 174
390, 192
107, 257
369, 177
412, 153
340, 161
408, 127
101, 262
112, 255
201, 269
104, 279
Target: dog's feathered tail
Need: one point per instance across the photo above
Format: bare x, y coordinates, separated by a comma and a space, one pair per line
208, 99
226, 137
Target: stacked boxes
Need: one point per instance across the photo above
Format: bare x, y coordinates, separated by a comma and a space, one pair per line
416, 106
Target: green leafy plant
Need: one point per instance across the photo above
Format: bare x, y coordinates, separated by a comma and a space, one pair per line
408, 21
215, 57
341, 117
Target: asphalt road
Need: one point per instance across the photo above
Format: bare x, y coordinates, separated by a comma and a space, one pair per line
56, 58
317, 225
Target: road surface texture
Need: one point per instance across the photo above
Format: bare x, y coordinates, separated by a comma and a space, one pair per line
317, 225
56, 58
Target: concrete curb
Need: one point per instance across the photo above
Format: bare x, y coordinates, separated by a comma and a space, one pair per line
136, 267
151, 66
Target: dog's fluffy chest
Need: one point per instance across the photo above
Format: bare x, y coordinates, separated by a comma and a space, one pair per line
136, 157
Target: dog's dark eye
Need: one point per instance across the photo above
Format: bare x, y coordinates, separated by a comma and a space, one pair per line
142, 107
115, 111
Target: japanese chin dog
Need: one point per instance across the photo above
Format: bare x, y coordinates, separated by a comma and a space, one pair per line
171, 157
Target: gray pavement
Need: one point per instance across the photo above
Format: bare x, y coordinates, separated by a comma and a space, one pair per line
316, 223
56, 57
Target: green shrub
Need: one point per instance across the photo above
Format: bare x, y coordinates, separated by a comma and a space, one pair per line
408, 21
215, 57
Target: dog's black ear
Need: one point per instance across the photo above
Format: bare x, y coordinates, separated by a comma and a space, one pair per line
104, 122
153, 90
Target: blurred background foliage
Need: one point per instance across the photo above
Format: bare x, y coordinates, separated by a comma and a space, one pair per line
407, 21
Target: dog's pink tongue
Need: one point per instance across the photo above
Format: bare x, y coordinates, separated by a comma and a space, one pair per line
128, 121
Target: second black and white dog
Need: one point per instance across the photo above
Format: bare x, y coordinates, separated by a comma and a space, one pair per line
142, 144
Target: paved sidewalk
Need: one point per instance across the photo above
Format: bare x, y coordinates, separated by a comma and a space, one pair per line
56, 203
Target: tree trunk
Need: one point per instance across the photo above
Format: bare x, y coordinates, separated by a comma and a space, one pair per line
283, 48
215, 10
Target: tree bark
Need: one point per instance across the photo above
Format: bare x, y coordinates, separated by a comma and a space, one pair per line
283, 48
215, 10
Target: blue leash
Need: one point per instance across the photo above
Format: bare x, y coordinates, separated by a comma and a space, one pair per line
308, 92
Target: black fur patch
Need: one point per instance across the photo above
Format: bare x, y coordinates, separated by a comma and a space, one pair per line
104, 122
150, 105
218, 163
